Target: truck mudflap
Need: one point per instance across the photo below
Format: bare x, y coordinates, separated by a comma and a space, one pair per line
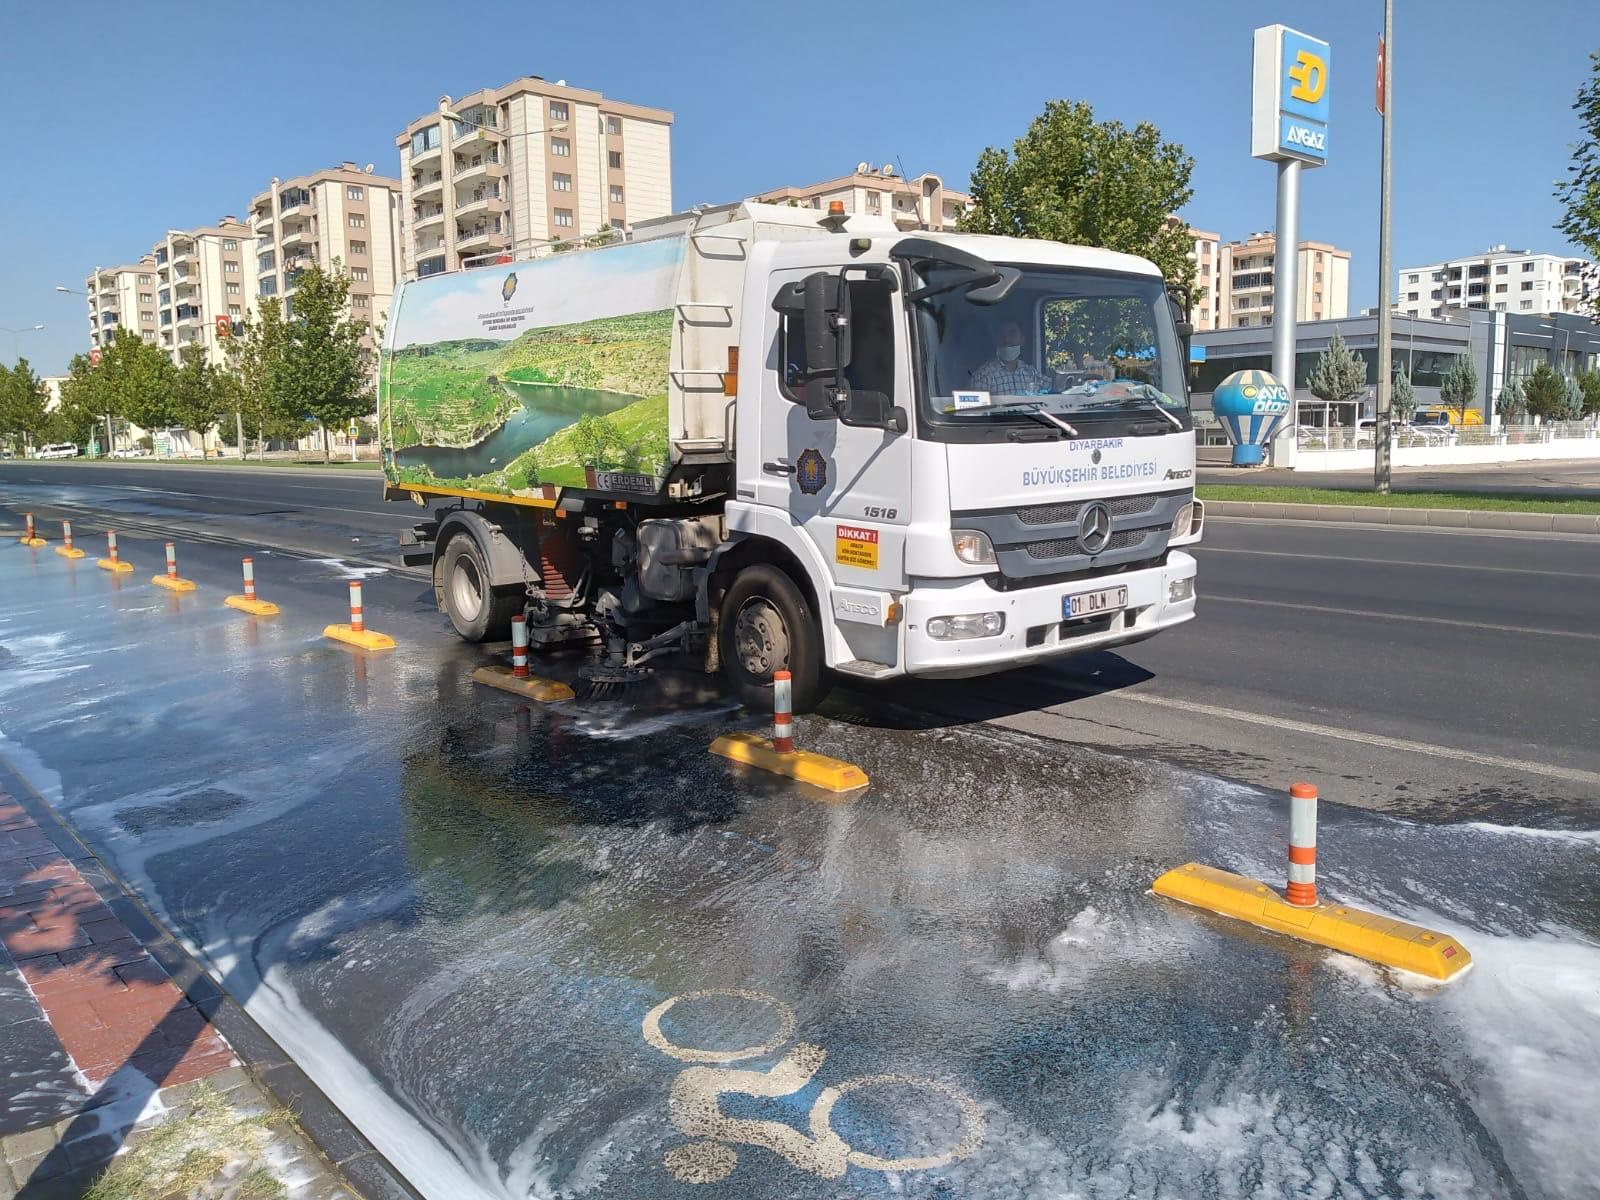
1041, 622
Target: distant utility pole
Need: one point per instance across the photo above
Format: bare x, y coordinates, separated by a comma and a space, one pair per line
1381, 442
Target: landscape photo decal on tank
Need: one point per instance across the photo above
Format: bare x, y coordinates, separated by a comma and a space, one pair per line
516, 378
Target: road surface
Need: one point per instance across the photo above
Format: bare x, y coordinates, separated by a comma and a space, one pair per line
1427, 672
566, 952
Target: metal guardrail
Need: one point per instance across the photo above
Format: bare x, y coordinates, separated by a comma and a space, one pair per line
1341, 438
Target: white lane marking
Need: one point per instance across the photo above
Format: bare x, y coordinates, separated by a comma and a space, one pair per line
1516, 765
1397, 562
1394, 616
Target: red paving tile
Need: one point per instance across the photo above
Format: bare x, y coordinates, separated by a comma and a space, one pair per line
109, 1002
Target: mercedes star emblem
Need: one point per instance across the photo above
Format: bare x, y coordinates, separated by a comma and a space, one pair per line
1094, 528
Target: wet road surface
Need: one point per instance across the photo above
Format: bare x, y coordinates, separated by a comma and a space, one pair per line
1428, 673
565, 952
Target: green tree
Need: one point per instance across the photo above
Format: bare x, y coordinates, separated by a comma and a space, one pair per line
197, 392
1402, 396
256, 369
22, 401
1589, 385
1511, 405
82, 407
1571, 397
1338, 377
1071, 178
1545, 394
1459, 387
326, 372
1579, 193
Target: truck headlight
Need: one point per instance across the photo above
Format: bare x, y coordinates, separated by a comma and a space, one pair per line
1183, 522
972, 546
967, 625
1180, 589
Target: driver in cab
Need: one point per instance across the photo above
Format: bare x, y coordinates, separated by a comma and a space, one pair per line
1007, 374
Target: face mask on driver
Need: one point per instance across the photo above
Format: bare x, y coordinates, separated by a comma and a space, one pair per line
1009, 353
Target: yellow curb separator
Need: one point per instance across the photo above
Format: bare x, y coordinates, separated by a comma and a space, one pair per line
256, 608
830, 774
172, 583
366, 639
70, 552
1365, 935
32, 541
546, 691
120, 566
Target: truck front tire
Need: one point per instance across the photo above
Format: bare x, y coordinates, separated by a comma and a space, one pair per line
766, 625
479, 612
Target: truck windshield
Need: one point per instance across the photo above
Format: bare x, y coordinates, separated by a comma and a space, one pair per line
1088, 347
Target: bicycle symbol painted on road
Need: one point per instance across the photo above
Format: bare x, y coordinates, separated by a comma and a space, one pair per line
695, 1105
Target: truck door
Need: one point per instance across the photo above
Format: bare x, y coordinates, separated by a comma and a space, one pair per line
847, 486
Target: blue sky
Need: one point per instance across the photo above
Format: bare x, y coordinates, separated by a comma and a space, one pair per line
131, 118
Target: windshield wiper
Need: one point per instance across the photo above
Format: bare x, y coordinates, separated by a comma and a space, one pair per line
1142, 402
1038, 410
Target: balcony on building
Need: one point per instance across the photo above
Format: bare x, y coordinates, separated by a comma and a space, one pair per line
291, 199
302, 234
267, 285
425, 146
478, 201
481, 164
108, 318
471, 132
187, 314
427, 214
478, 238
431, 266
426, 184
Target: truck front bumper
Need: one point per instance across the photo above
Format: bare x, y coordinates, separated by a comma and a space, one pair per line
1158, 598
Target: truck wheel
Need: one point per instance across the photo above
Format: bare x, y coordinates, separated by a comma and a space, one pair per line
479, 612
766, 625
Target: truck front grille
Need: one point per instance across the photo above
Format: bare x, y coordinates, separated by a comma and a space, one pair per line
1058, 514
1061, 547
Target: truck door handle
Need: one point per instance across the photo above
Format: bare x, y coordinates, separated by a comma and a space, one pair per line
778, 468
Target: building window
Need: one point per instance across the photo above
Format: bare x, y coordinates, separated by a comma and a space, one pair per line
1318, 278
235, 311
147, 318
614, 126
145, 279
1411, 295
231, 288
1500, 306
1316, 297
1500, 268
560, 147
425, 139
358, 274
358, 302
616, 194
230, 268
558, 110
1527, 285
1499, 287
614, 159
355, 193
1526, 305
358, 247
564, 218
1527, 266
357, 221
1412, 279
147, 297
560, 182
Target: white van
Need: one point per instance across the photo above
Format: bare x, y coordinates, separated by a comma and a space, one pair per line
58, 450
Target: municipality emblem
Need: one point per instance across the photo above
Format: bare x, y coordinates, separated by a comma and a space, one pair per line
811, 472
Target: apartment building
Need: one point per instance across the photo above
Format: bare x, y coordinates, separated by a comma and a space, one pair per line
1498, 280
1207, 256
920, 203
1246, 274
342, 214
200, 275
122, 298
528, 165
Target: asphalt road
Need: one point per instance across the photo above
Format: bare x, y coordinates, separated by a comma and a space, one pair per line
1580, 480
563, 951
1432, 673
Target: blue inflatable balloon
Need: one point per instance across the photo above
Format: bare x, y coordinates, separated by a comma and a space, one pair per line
1251, 406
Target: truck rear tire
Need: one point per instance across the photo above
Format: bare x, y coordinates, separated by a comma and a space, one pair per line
479, 612
766, 625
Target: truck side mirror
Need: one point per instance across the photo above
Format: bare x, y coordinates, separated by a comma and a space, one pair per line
872, 410
827, 310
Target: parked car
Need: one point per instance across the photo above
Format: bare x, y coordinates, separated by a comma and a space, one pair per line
131, 452
58, 450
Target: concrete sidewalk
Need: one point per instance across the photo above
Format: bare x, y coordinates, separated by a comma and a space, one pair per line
108, 1062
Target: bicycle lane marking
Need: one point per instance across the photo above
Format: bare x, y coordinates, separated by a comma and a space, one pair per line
694, 1104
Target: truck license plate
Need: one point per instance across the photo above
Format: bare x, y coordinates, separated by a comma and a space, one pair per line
1092, 604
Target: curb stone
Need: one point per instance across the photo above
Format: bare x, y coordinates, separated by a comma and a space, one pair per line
1438, 518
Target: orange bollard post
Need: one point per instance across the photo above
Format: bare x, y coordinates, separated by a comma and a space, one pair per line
170, 580
67, 549
356, 632
248, 602
1302, 889
32, 538
111, 562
